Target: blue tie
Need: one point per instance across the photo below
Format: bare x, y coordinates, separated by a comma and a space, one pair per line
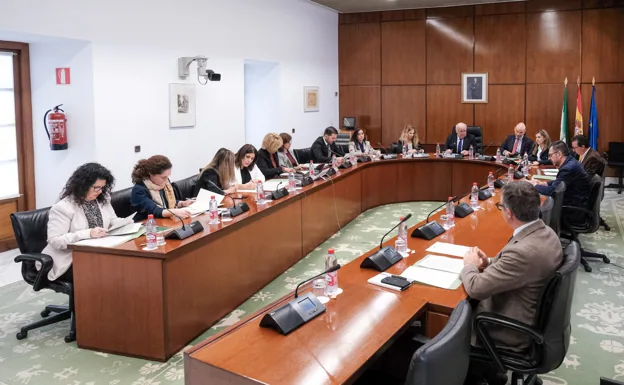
460, 146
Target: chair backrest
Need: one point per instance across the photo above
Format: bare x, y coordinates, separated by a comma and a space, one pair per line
394, 148
616, 153
120, 200
554, 309
546, 210
555, 216
477, 131
303, 155
593, 203
185, 188
31, 233
445, 358
343, 139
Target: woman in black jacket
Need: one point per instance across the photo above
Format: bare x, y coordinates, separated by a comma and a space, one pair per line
539, 155
220, 171
268, 160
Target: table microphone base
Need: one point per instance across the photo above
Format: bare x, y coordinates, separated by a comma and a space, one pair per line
382, 259
294, 314
239, 209
428, 231
186, 231
279, 193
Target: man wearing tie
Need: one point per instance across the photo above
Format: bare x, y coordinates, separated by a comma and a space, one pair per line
517, 144
459, 141
324, 147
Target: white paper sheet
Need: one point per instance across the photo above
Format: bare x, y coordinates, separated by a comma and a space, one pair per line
128, 220
437, 262
430, 277
448, 249
110, 241
552, 172
376, 280
202, 202
271, 185
130, 228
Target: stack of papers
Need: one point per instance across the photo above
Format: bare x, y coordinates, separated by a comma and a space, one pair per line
435, 270
448, 249
202, 202
111, 241
550, 171
545, 177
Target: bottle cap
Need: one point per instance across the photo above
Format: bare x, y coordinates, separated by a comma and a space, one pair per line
474, 184
330, 251
259, 181
491, 173
150, 216
450, 199
212, 197
402, 218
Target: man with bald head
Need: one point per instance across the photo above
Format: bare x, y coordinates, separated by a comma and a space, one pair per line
459, 141
517, 144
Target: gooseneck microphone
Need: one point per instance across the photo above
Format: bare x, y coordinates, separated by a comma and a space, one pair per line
407, 217
382, 147
453, 199
236, 209
488, 147
223, 191
330, 270
183, 232
180, 218
385, 256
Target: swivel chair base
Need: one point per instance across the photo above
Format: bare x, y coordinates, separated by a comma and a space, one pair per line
588, 254
604, 224
62, 313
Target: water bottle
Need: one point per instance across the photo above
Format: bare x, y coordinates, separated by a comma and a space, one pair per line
450, 213
151, 233
491, 183
405, 150
291, 181
438, 149
474, 196
334, 162
400, 245
471, 153
331, 278
510, 173
403, 231
525, 164
213, 211
260, 192
311, 169
352, 157
498, 156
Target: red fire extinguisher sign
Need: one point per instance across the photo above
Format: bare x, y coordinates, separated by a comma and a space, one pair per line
62, 76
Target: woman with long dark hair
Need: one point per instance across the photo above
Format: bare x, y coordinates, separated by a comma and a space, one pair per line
359, 143
245, 169
220, 171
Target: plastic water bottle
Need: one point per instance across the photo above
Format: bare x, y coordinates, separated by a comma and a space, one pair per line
510, 173
291, 181
450, 213
471, 153
525, 164
334, 161
403, 231
331, 278
151, 233
405, 150
438, 149
491, 183
260, 192
400, 245
498, 156
474, 196
311, 169
213, 211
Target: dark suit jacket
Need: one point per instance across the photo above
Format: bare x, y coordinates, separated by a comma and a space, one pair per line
320, 152
400, 146
527, 145
593, 163
209, 175
142, 202
266, 166
513, 282
469, 140
575, 178
543, 158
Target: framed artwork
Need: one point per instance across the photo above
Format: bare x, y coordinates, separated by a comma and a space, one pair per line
475, 87
310, 99
181, 105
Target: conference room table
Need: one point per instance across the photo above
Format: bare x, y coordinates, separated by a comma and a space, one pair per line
151, 304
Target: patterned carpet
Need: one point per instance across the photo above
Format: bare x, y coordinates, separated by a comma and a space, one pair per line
44, 358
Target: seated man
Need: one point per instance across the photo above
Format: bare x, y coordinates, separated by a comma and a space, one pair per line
511, 284
459, 142
590, 159
323, 144
517, 144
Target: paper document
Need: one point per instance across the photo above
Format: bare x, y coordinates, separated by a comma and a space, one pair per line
130, 228
110, 241
436, 262
544, 177
431, 277
202, 202
121, 223
448, 249
550, 171
271, 185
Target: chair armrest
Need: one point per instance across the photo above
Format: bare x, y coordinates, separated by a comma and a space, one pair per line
506, 322
46, 265
607, 381
577, 209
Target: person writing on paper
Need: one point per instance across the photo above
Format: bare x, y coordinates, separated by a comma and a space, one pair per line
152, 192
512, 283
268, 160
220, 171
459, 141
82, 212
324, 147
539, 155
409, 138
285, 154
517, 144
359, 143
245, 170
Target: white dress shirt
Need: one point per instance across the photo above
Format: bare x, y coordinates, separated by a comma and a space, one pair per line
255, 172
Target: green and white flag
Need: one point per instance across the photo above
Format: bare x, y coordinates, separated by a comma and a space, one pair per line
563, 134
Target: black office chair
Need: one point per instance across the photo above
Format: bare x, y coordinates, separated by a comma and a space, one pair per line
579, 220
601, 172
31, 233
395, 149
185, 188
477, 131
546, 210
550, 336
303, 155
430, 363
120, 200
607, 381
555, 215
615, 159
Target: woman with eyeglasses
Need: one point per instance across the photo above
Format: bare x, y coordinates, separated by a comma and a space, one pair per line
153, 193
82, 212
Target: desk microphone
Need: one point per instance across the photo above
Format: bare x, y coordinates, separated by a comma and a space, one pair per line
453, 199
483, 156
382, 147
330, 270
237, 209
345, 163
184, 232
432, 229
279, 193
386, 256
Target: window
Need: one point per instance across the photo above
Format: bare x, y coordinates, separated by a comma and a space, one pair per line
9, 169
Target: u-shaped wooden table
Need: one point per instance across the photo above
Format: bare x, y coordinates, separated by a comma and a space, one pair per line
151, 304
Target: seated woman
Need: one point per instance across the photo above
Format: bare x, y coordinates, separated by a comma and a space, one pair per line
220, 171
152, 192
409, 137
359, 143
82, 212
245, 170
539, 155
268, 160
285, 153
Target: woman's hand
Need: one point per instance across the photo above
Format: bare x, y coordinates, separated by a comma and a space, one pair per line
181, 213
286, 169
535, 163
300, 167
186, 203
231, 190
247, 186
98, 232
412, 151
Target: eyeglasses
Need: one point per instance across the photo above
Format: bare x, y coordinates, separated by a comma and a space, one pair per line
550, 155
499, 206
97, 188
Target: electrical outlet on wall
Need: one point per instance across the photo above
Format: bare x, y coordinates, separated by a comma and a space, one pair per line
137, 148
293, 130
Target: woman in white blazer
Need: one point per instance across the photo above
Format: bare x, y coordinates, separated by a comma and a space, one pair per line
83, 211
246, 172
359, 143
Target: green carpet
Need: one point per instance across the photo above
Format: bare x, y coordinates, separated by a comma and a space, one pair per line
44, 358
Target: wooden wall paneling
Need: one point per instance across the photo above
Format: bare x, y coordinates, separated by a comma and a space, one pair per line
553, 47
552, 5
445, 12
500, 9
444, 110
497, 48
434, 323
7, 207
603, 45
500, 115
588, 4
373, 177
543, 108
449, 49
357, 18
400, 106
365, 104
403, 52
359, 54
609, 103
404, 14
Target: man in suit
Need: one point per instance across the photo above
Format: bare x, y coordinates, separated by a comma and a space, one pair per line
511, 284
571, 172
475, 90
517, 144
590, 159
323, 144
459, 141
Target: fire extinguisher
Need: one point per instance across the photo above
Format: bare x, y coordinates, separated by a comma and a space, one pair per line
55, 124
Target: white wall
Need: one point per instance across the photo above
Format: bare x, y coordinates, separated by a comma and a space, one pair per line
262, 100
134, 46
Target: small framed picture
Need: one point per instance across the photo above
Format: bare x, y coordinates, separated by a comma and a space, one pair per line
310, 99
181, 105
475, 87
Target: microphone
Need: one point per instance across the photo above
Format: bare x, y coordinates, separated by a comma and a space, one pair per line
397, 225
278, 194
345, 163
330, 270
184, 232
223, 191
180, 218
483, 156
386, 256
237, 209
453, 199
382, 147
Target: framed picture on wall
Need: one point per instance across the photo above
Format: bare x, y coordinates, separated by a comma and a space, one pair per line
181, 105
310, 99
475, 87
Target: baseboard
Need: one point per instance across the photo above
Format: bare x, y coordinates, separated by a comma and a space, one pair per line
7, 244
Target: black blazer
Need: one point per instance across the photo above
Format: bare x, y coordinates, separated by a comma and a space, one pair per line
142, 202
527, 145
543, 158
400, 146
209, 175
320, 152
575, 178
266, 167
469, 140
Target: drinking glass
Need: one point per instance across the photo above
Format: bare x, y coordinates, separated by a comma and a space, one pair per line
160, 238
226, 216
318, 288
445, 222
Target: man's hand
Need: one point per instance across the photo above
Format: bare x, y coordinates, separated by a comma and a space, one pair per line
449, 151
535, 182
465, 152
506, 153
485, 261
472, 257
